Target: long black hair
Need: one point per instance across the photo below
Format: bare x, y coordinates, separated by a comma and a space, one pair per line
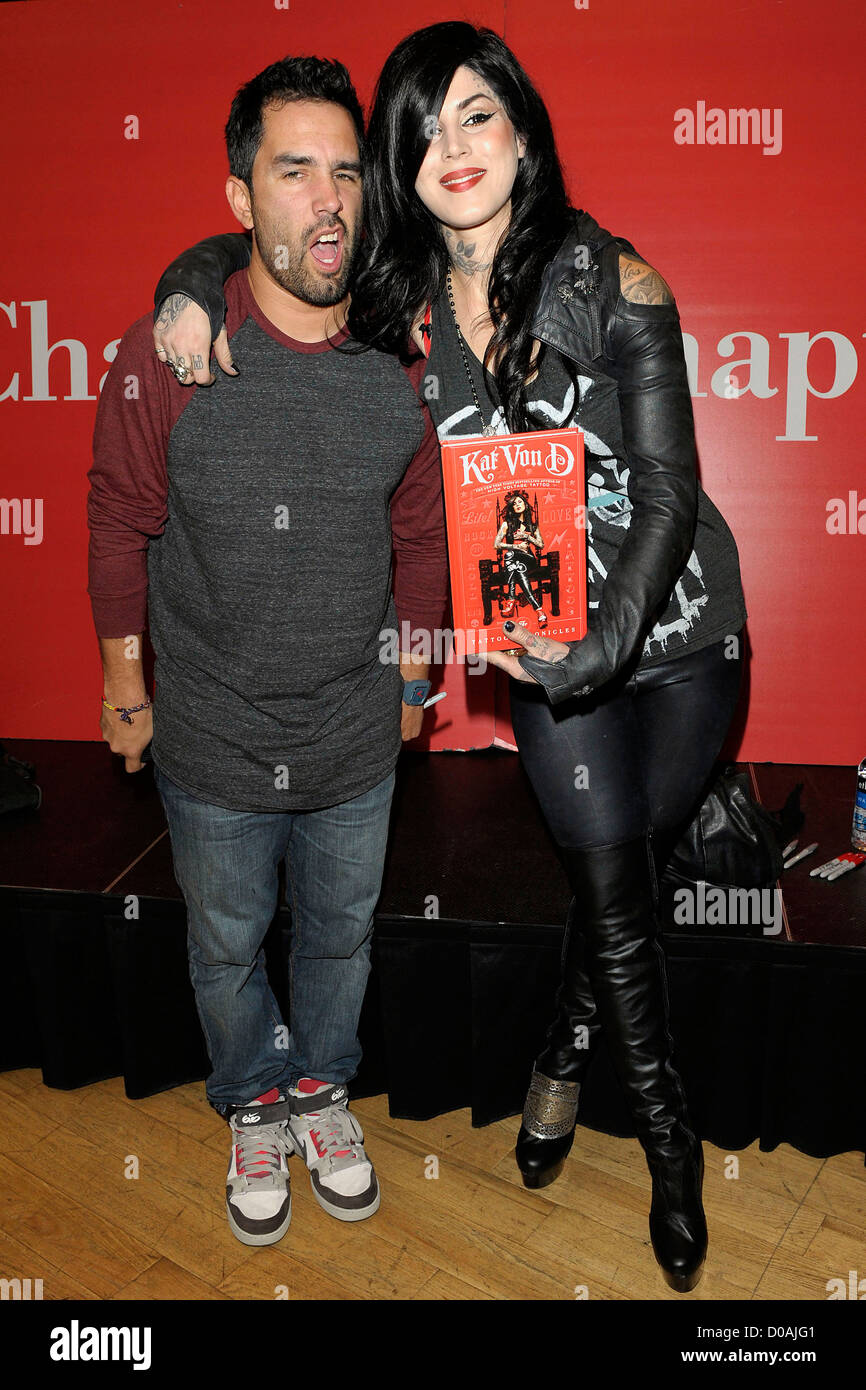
404, 261
514, 520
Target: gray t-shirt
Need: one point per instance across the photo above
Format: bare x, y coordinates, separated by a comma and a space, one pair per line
270, 585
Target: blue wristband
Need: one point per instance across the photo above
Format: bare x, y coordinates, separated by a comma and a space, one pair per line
415, 692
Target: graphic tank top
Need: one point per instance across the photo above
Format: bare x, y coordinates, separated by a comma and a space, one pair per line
706, 603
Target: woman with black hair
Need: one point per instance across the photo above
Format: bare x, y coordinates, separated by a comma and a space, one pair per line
517, 535
533, 316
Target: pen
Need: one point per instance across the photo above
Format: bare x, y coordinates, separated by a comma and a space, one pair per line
810, 849
842, 861
851, 862
824, 869
837, 873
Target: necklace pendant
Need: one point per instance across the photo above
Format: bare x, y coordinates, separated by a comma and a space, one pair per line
488, 430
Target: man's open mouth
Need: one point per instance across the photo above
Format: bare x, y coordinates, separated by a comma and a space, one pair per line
327, 249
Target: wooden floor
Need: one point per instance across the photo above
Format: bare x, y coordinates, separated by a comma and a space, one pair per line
780, 1230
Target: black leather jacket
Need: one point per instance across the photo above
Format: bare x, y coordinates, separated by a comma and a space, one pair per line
637, 350
639, 347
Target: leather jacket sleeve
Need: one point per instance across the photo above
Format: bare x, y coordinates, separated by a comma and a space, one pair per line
201, 271
644, 348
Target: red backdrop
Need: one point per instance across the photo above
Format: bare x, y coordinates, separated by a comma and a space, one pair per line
758, 234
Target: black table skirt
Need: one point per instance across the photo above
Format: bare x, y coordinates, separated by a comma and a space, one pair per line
768, 1033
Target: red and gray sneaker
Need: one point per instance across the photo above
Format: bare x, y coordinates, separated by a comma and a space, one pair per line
330, 1141
258, 1197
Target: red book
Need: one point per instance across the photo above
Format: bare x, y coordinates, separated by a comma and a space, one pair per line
515, 507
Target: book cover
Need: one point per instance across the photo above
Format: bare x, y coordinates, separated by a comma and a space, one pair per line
515, 509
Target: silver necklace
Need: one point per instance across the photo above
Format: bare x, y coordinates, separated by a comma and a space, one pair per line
486, 429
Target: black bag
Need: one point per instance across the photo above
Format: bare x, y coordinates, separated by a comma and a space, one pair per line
18, 790
733, 841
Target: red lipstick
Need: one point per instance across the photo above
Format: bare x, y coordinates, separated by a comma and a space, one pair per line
458, 180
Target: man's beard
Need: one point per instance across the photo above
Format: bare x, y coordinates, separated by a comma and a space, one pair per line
286, 261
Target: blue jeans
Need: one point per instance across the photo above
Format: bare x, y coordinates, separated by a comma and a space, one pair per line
226, 865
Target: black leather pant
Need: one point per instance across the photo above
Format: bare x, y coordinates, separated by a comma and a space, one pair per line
635, 755
520, 571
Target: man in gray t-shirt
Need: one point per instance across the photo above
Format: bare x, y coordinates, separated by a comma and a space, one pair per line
254, 517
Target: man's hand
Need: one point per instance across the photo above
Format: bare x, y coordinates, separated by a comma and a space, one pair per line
123, 686
129, 740
181, 336
544, 648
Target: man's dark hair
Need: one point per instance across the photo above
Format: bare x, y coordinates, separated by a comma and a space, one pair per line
290, 79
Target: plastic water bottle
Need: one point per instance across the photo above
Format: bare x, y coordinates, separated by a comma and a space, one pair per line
858, 829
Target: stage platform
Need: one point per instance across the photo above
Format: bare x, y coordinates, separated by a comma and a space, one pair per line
767, 1014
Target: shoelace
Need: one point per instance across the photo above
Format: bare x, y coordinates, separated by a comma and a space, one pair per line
258, 1150
332, 1127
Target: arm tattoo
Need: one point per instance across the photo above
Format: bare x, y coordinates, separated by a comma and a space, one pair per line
640, 284
170, 308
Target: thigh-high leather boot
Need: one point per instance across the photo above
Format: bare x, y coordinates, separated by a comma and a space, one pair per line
614, 887
550, 1114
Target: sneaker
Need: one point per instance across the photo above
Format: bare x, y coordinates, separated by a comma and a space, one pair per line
258, 1198
330, 1141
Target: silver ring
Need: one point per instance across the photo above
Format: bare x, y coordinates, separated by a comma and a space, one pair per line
180, 372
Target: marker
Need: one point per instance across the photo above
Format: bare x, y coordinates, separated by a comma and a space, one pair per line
841, 861
810, 849
854, 862
837, 873
824, 869
433, 699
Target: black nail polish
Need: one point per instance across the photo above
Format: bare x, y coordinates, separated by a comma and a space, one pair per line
509, 626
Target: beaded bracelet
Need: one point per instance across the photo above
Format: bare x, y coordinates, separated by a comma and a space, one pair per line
126, 714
